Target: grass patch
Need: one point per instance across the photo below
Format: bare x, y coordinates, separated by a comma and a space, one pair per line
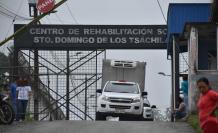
216, 113
194, 122
28, 118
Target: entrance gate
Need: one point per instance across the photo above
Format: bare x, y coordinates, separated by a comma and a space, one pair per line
64, 64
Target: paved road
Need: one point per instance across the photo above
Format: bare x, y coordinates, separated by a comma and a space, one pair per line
96, 127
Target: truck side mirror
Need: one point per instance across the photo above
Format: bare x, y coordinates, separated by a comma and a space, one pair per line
144, 93
99, 91
153, 107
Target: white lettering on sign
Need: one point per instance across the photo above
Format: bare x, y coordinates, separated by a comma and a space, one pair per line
46, 31
42, 40
112, 36
118, 31
68, 40
149, 40
161, 31
117, 40
73, 31
102, 40
98, 40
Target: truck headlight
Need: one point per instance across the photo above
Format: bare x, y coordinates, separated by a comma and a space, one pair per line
105, 98
136, 100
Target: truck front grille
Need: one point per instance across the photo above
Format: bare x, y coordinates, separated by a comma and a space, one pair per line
120, 107
120, 100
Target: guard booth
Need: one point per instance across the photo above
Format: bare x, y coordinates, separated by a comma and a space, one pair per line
177, 46
201, 40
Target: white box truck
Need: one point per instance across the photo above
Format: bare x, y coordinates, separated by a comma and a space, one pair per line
122, 90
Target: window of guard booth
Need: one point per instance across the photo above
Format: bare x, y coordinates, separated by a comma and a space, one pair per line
207, 49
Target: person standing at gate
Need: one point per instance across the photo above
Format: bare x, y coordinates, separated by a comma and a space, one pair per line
13, 95
24, 92
184, 88
207, 106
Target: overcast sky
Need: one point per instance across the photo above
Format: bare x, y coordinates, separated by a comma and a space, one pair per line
112, 12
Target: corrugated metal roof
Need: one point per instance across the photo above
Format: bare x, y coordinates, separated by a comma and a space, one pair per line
181, 13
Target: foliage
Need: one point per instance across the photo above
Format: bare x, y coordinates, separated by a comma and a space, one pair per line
28, 117
194, 122
4, 62
216, 113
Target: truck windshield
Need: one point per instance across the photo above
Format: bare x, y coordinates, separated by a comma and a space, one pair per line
122, 88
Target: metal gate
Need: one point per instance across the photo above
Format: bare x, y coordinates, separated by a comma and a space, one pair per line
66, 82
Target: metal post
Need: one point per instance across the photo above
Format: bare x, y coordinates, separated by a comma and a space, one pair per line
36, 86
48, 81
56, 97
86, 80
217, 41
96, 78
172, 88
15, 70
177, 87
68, 87
29, 63
36, 78
49, 94
175, 75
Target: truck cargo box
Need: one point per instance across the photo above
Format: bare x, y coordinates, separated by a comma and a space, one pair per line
131, 71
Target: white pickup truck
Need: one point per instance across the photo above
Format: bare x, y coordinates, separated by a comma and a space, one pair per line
122, 90
120, 99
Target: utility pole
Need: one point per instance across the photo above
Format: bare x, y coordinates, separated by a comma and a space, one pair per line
36, 76
22, 29
68, 87
86, 81
34, 13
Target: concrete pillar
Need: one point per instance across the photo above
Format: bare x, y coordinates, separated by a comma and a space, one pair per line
193, 52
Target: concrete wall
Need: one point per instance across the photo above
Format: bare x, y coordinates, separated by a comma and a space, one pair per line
213, 78
194, 73
192, 50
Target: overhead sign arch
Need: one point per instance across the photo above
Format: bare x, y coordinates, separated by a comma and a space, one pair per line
83, 37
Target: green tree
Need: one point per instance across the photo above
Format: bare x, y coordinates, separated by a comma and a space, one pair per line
4, 63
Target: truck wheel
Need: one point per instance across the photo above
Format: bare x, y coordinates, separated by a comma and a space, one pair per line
99, 116
151, 119
140, 117
148, 119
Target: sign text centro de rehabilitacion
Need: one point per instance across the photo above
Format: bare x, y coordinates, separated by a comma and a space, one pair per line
93, 37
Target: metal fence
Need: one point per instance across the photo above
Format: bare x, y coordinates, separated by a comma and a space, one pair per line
183, 63
66, 85
183, 66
